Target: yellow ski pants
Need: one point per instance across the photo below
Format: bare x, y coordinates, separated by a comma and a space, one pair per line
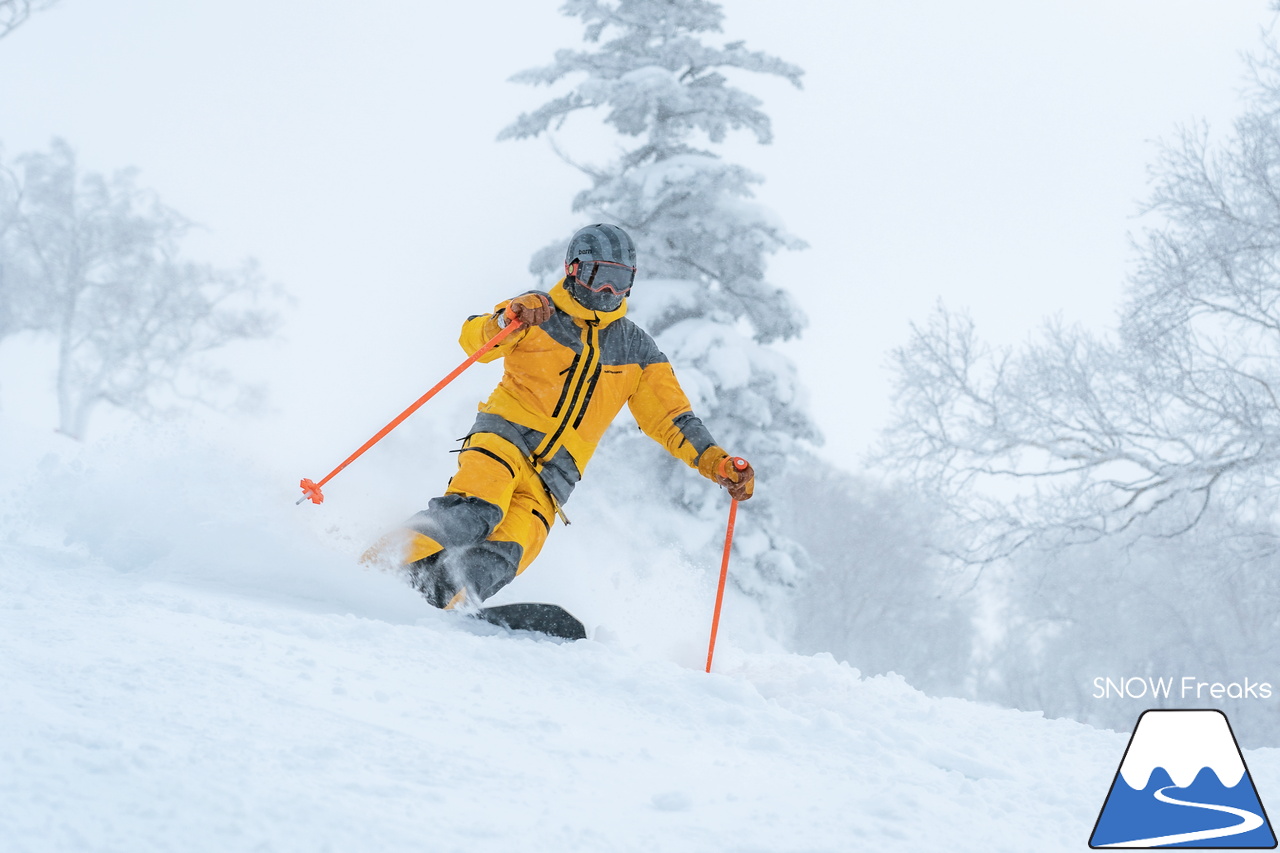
488, 527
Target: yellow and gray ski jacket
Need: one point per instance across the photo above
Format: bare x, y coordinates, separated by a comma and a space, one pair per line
565, 380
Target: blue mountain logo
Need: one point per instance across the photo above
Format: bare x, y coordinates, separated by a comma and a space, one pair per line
1183, 783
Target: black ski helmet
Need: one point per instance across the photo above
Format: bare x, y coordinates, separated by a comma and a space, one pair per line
599, 266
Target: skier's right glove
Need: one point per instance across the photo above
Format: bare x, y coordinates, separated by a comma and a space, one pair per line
532, 309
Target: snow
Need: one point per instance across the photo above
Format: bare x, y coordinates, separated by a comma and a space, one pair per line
192, 663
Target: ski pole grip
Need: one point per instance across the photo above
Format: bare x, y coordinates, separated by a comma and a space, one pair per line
740, 464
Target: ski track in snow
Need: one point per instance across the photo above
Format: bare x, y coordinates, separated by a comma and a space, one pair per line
189, 673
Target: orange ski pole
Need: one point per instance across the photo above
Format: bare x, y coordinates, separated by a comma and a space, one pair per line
311, 491
739, 464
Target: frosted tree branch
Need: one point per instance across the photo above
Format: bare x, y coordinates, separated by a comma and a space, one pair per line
1079, 436
13, 13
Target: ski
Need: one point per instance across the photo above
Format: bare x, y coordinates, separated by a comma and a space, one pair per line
550, 619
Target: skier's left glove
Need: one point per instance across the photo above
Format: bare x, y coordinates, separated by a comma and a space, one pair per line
717, 465
741, 484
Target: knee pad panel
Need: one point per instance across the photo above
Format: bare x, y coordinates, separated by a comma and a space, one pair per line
457, 520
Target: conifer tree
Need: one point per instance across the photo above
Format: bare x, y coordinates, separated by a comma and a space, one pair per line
703, 243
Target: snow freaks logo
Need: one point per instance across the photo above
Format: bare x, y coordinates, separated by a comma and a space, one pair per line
1182, 783
1187, 687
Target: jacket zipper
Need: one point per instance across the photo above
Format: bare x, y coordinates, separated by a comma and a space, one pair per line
589, 368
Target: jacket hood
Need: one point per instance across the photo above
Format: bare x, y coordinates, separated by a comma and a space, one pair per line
565, 302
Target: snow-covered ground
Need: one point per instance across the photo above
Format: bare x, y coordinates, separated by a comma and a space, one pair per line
188, 662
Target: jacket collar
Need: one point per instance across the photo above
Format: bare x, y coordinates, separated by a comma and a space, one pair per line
565, 302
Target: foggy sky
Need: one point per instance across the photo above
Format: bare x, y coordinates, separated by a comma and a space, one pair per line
990, 154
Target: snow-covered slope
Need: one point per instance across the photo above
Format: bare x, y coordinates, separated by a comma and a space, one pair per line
190, 670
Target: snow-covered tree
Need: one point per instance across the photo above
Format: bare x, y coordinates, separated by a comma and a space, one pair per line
94, 263
703, 243
1078, 435
1115, 609
1151, 450
878, 595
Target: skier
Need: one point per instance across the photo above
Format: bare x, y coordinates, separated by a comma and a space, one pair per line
567, 374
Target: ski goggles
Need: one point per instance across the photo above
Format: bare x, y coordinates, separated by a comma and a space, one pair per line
601, 276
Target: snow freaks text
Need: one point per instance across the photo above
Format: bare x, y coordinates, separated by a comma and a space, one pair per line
1186, 687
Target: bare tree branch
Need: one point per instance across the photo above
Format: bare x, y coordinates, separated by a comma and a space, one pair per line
95, 263
1076, 436
14, 13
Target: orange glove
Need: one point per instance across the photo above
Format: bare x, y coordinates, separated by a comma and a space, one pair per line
740, 483
717, 465
532, 309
